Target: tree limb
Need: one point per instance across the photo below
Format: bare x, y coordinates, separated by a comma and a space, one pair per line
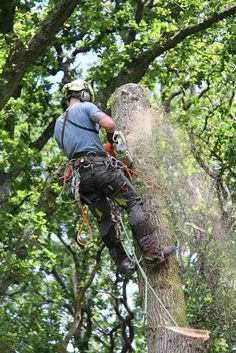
44, 137
78, 301
167, 102
169, 43
25, 55
137, 67
60, 281
7, 13
223, 191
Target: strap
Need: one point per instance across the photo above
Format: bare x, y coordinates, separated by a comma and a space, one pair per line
82, 127
76, 125
63, 128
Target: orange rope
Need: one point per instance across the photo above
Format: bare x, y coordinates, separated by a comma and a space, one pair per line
67, 173
131, 172
126, 169
85, 221
149, 181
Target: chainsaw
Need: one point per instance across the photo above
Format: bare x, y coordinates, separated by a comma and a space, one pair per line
122, 152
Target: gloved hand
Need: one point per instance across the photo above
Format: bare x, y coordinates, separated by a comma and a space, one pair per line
110, 137
113, 136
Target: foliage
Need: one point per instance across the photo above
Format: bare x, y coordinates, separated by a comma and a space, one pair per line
190, 69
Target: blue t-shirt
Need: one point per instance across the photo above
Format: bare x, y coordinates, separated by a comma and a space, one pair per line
77, 140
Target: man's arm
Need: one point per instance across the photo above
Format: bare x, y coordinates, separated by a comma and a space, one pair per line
106, 122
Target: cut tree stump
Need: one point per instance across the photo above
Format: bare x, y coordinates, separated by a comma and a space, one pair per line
185, 340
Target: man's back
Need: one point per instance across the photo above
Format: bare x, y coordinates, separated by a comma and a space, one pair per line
77, 139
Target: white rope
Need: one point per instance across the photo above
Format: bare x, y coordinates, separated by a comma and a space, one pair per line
147, 284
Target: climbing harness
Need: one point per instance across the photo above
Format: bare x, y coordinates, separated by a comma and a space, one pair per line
71, 178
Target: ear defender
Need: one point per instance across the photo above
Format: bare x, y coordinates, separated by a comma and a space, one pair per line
85, 96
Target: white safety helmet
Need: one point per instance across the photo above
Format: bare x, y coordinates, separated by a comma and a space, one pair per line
79, 89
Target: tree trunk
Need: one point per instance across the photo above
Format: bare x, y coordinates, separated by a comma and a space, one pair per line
178, 340
134, 116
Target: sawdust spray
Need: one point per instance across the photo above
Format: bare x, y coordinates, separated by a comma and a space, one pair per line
204, 237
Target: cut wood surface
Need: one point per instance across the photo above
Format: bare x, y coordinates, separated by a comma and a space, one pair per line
179, 339
202, 335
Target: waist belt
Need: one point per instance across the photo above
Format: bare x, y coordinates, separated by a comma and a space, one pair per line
89, 154
89, 158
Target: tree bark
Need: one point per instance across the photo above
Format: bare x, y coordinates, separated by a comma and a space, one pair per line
134, 115
7, 13
185, 340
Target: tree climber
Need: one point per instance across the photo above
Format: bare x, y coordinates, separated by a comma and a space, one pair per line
77, 134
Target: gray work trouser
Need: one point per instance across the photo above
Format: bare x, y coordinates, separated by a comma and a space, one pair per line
102, 180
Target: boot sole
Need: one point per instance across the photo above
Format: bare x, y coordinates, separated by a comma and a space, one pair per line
157, 262
129, 272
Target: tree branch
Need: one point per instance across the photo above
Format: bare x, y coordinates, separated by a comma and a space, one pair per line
25, 55
44, 137
6, 178
169, 43
138, 16
15, 208
137, 67
223, 191
167, 102
7, 13
79, 296
60, 281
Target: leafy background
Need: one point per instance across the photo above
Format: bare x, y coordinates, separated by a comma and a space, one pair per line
184, 52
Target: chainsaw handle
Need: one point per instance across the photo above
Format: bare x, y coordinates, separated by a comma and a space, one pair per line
115, 136
110, 138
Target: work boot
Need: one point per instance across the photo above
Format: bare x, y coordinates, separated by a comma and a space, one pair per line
157, 255
123, 263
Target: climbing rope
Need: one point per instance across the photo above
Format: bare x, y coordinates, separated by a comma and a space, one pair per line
148, 181
84, 222
147, 284
130, 172
71, 177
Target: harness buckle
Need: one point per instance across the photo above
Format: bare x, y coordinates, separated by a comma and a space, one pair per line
91, 154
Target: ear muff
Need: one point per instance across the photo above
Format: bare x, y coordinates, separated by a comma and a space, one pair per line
85, 96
